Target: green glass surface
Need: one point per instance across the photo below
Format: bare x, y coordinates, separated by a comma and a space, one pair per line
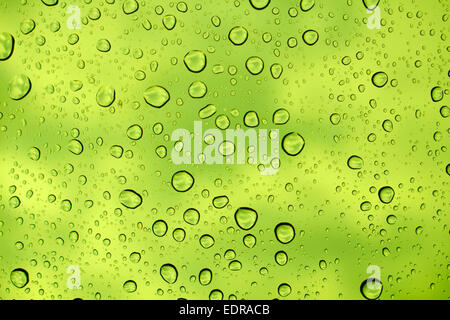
357, 89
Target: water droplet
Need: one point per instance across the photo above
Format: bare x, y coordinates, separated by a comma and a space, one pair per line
19, 87
437, 94
19, 278
206, 241
220, 202
216, 294
259, 4
284, 232
26, 27
310, 37
276, 70
130, 286
130, 6
280, 116
191, 216
14, 202
179, 234
205, 277
388, 126
135, 257
419, 230
391, 219
66, 205
135, 132
75, 146
251, 119
207, 111
254, 65
50, 2
103, 45
197, 89
182, 181
245, 218
106, 96
371, 4
371, 289
238, 35
386, 194
156, 96
306, 5
284, 290
34, 153
379, 79
281, 258
116, 151
169, 273
293, 143
235, 265
365, 206
130, 199
159, 228
355, 162
169, 22
195, 61
249, 240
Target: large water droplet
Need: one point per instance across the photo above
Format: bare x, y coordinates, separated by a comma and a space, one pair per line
195, 61
75, 146
284, 232
130, 199
379, 79
135, 132
371, 4
197, 89
19, 87
437, 94
293, 143
106, 96
191, 216
6, 45
19, 277
205, 277
130, 6
130, 286
238, 35
310, 37
306, 5
245, 218
355, 162
259, 4
50, 2
182, 181
386, 194
34, 153
169, 273
371, 289
156, 96
254, 65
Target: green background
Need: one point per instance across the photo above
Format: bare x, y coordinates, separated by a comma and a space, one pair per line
314, 191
